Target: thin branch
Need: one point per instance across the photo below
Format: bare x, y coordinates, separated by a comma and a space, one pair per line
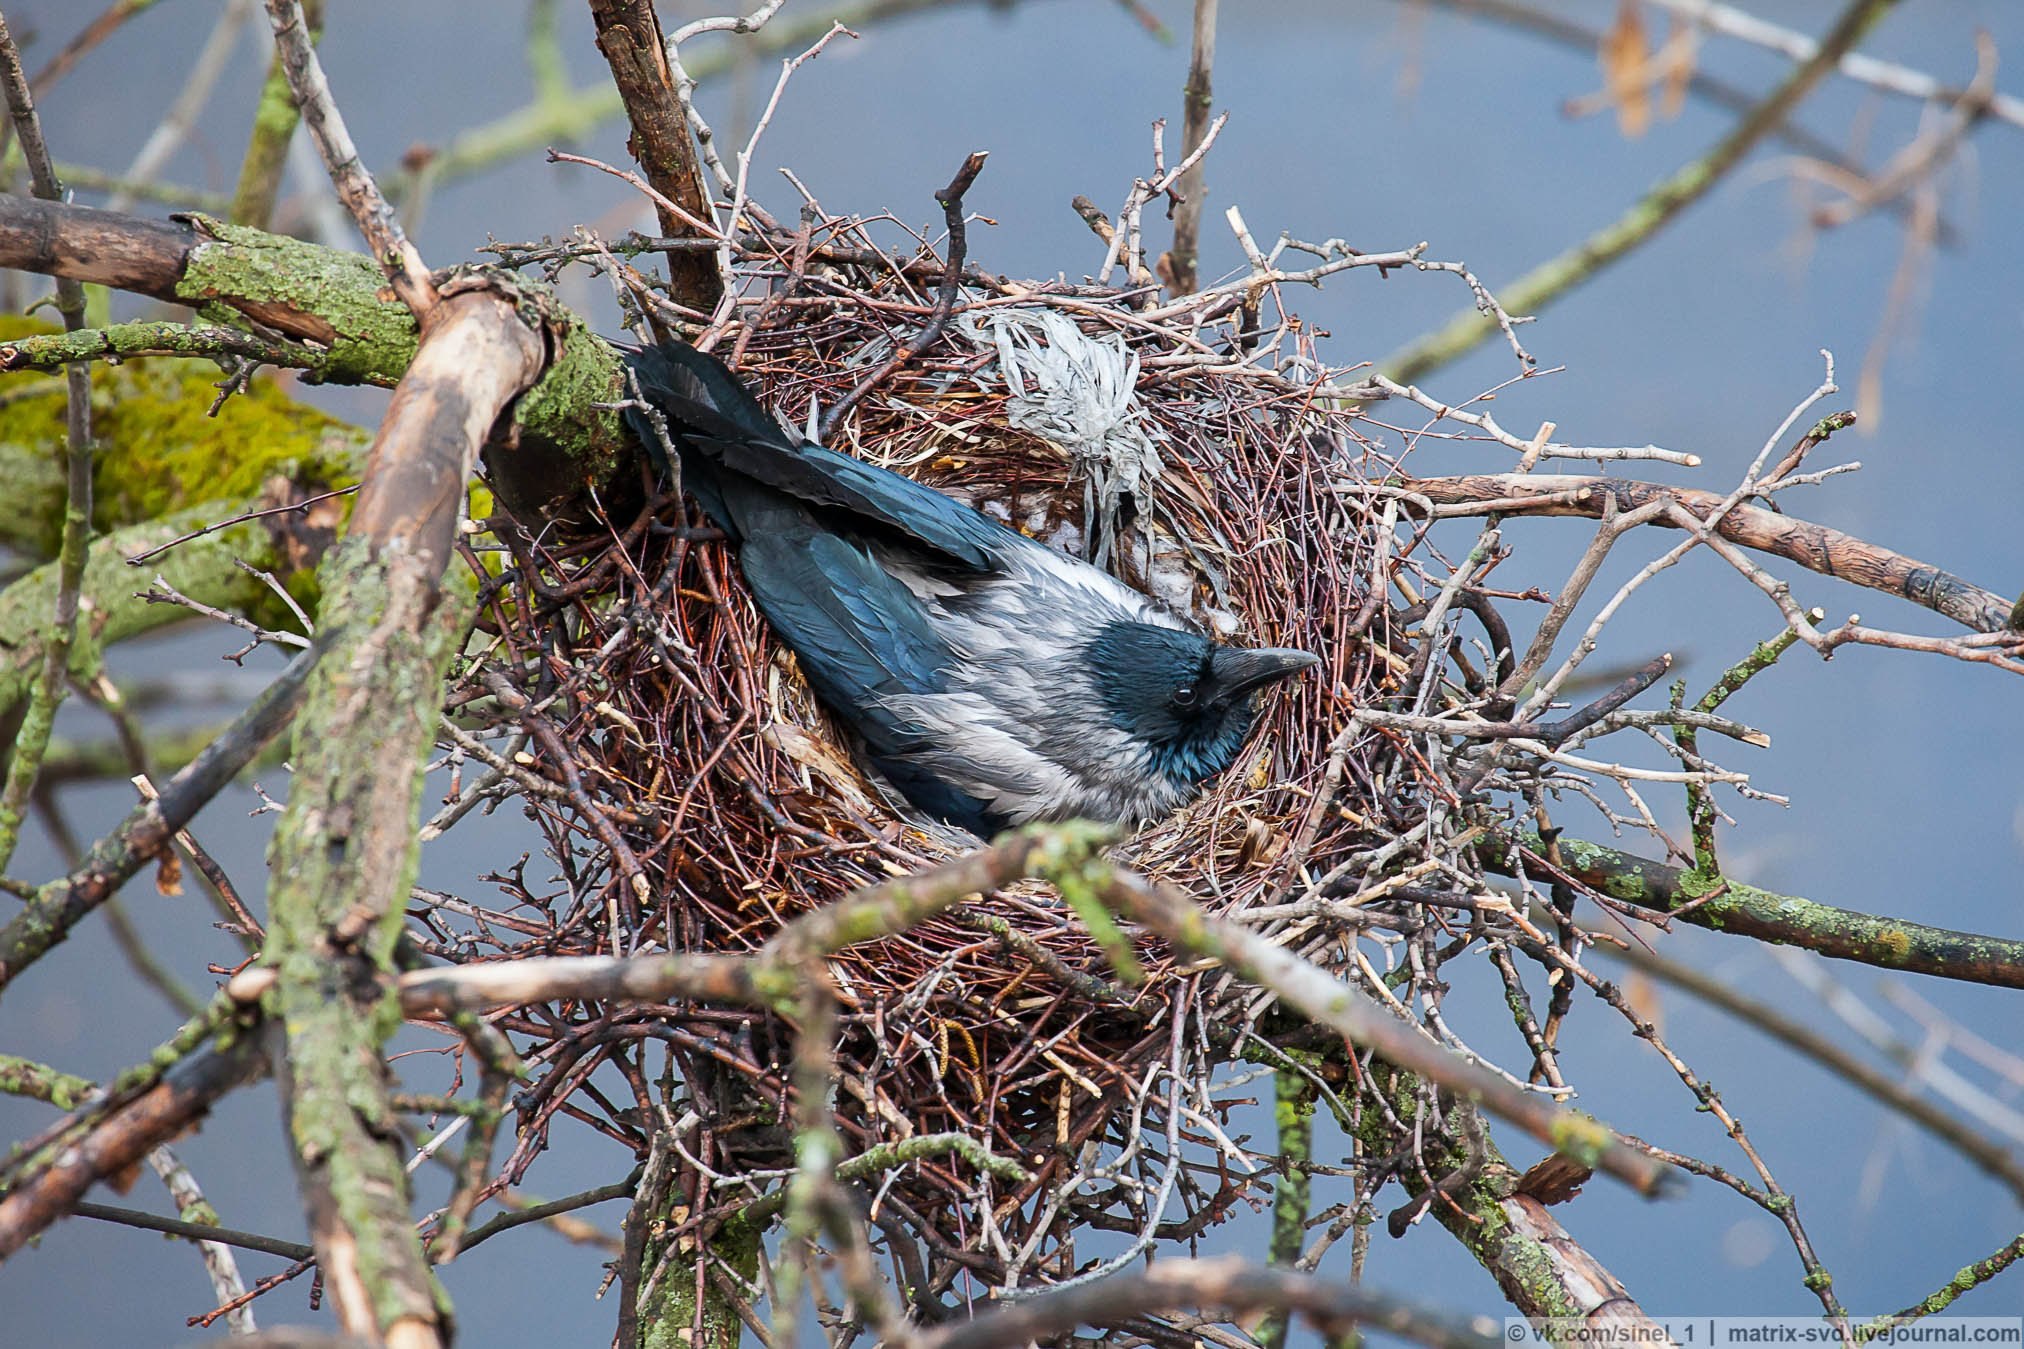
1228, 1286
951, 199
31, 739
176, 1227
1550, 280
375, 219
1817, 547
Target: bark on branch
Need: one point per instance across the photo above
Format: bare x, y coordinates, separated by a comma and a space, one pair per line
1817, 547
345, 853
327, 297
629, 35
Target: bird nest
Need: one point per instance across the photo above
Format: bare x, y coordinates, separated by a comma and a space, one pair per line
695, 797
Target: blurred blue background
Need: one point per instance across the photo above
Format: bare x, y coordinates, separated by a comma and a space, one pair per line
1386, 124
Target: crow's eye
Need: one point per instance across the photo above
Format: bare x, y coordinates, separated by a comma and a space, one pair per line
1184, 696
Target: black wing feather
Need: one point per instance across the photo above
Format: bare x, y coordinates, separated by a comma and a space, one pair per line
715, 416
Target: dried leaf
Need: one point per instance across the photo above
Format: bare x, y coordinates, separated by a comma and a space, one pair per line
1554, 1180
123, 1179
1683, 47
1623, 55
169, 874
1643, 996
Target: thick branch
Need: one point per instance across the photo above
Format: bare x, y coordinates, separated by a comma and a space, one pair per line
1730, 906
629, 35
344, 856
1817, 547
323, 296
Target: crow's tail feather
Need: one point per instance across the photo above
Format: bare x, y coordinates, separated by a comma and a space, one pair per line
742, 466
697, 393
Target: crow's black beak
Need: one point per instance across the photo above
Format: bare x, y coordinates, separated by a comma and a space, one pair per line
1238, 671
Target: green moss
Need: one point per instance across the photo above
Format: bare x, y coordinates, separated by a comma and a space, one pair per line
157, 451
558, 409
372, 333
1894, 945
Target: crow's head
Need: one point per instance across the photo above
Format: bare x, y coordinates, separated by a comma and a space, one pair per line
1188, 700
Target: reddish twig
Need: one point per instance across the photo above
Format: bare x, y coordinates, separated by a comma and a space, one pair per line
951, 198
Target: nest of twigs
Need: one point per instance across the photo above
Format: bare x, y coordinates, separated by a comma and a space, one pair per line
696, 798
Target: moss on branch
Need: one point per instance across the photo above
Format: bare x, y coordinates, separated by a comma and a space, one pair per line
1715, 901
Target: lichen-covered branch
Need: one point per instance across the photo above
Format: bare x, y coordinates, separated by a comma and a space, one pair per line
324, 297
1725, 905
344, 855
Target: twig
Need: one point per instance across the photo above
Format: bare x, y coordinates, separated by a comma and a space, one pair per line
739, 200
1124, 241
31, 740
1966, 1281
177, 1227
375, 219
161, 592
1817, 547
219, 1263
1196, 100
1545, 283
951, 198
1530, 449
